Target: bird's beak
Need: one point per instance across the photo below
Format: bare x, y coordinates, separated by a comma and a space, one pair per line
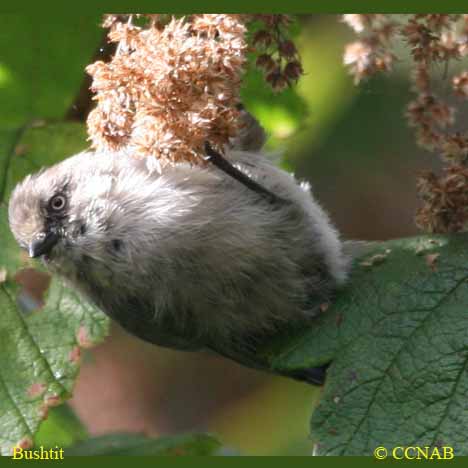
42, 244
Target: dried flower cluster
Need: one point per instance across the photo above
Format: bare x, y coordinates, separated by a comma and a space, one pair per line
169, 88
277, 55
445, 200
174, 84
433, 39
371, 53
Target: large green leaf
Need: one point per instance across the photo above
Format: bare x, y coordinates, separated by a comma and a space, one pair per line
397, 337
39, 357
40, 350
139, 445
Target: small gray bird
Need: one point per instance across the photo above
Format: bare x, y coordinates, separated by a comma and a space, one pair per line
188, 257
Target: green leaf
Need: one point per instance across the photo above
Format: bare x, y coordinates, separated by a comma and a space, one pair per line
134, 444
397, 337
39, 357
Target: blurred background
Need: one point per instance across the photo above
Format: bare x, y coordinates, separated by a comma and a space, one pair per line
351, 143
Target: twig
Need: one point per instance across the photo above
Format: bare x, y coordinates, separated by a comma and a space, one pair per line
223, 164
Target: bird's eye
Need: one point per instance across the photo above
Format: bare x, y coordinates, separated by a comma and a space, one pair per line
57, 203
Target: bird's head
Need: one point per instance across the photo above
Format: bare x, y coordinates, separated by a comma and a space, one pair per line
62, 214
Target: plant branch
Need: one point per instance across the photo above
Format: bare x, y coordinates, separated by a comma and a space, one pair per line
223, 164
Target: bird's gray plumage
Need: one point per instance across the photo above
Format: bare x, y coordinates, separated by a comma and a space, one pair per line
189, 256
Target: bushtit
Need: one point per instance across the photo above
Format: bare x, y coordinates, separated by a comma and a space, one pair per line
187, 258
